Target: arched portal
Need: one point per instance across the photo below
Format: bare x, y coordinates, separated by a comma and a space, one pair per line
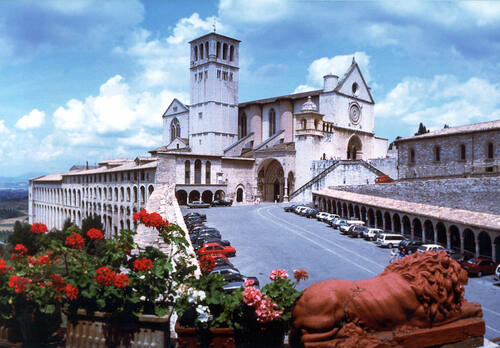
469, 242
380, 222
406, 226
484, 244
417, 229
290, 184
454, 238
271, 181
354, 148
219, 194
497, 249
371, 218
429, 231
206, 196
239, 194
351, 211
396, 223
441, 234
356, 212
194, 196
388, 222
181, 196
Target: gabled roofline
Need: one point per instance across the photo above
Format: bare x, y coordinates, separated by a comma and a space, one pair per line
344, 78
183, 105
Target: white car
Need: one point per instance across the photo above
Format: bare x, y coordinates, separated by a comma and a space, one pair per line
300, 209
321, 215
496, 275
429, 247
389, 240
329, 218
371, 233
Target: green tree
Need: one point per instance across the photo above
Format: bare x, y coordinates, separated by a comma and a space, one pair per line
67, 224
23, 235
93, 221
421, 129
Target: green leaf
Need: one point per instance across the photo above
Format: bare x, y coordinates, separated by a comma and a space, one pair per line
48, 309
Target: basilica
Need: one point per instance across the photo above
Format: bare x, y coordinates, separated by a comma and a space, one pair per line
216, 147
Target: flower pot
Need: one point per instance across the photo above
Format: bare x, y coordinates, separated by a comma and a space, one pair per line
262, 336
101, 330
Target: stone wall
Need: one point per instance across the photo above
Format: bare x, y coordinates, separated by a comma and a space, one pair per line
477, 194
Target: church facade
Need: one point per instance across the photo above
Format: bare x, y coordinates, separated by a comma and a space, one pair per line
216, 147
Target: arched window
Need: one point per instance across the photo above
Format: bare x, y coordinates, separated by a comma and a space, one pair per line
201, 51
490, 151
272, 122
437, 154
175, 129
195, 52
218, 49
224, 51
206, 49
315, 124
462, 152
243, 125
412, 155
303, 123
207, 172
197, 171
187, 172
231, 53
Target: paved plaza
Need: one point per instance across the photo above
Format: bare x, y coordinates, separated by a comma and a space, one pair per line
265, 238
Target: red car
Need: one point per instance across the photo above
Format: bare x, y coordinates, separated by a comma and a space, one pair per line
478, 266
217, 248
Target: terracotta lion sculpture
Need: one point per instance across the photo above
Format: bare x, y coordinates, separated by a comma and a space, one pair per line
421, 290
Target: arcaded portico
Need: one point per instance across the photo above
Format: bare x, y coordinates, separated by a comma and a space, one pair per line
466, 231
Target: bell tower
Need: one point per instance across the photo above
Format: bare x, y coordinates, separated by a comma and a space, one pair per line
213, 110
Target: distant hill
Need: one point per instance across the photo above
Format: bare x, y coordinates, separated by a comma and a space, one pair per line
17, 182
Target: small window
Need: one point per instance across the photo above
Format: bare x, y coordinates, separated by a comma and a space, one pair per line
218, 49
231, 53
206, 74
195, 77
412, 155
303, 123
195, 52
218, 74
175, 108
462, 152
230, 76
201, 51
437, 154
224, 75
224, 51
490, 151
200, 76
200, 115
355, 88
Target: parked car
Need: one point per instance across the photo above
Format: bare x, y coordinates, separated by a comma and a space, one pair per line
199, 242
299, 209
203, 217
198, 204
221, 260
479, 266
310, 213
430, 247
462, 257
344, 228
329, 219
231, 274
221, 203
389, 240
206, 233
336, 222
217, 248
290, 208
496, 275
372, 233
357, 231
234, 286
321, 215
410, 246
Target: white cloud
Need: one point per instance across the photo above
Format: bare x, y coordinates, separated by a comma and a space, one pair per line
444, 99
142, 139
32, 120
255, 11
303, 88
3, 127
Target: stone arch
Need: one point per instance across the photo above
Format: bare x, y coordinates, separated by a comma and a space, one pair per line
206, 196
379, 219
441, 234
497, 249
406, 226
219, 194
328, 206
224, 51
469, 241
363, 214
135, 194
484, 241
122, 194
270, 180
344, 210
175, 129
454, 237
116, 194
339, 209
197, 171
151, 188
143, 194
396, 223
417, 230
181, 196
429, 231
351, 210
290, 181
194, 196
371, 217
354, 148
128, 194
240, 194
387, 221
357, 213
231, 53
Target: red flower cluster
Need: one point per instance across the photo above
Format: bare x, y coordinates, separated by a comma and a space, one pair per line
71, 291
264, 306
121, 280
300, 274
3, 266
207, 263
252, 296
105, 276
278, 273
21, 249
143, 264
18, 283
38, 228
57, 281
42, 260
150, 219
75, 241
94, 233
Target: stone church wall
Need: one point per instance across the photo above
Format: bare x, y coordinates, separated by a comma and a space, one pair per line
476, 194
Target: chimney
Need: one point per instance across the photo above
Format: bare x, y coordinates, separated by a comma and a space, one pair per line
87, 165
330, 81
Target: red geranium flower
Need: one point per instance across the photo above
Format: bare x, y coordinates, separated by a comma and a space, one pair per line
121, 280
143, 264
21, 249
38, 228
57, 281
71, 291
75, 241
3, 266
300, 274
18, 283
207, 263
94, 233
281, 273
105, 276
150, 219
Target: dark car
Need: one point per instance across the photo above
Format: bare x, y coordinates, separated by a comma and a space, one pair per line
290, 208
311, 213
221, 203
198, 242
221, 260
198, 204
356, 231
231, 274
410, 246
479, 266
203, 217
205, 231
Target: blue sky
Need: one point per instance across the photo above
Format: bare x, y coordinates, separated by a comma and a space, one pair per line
89, 80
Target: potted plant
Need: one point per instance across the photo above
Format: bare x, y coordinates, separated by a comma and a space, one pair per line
250, 317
